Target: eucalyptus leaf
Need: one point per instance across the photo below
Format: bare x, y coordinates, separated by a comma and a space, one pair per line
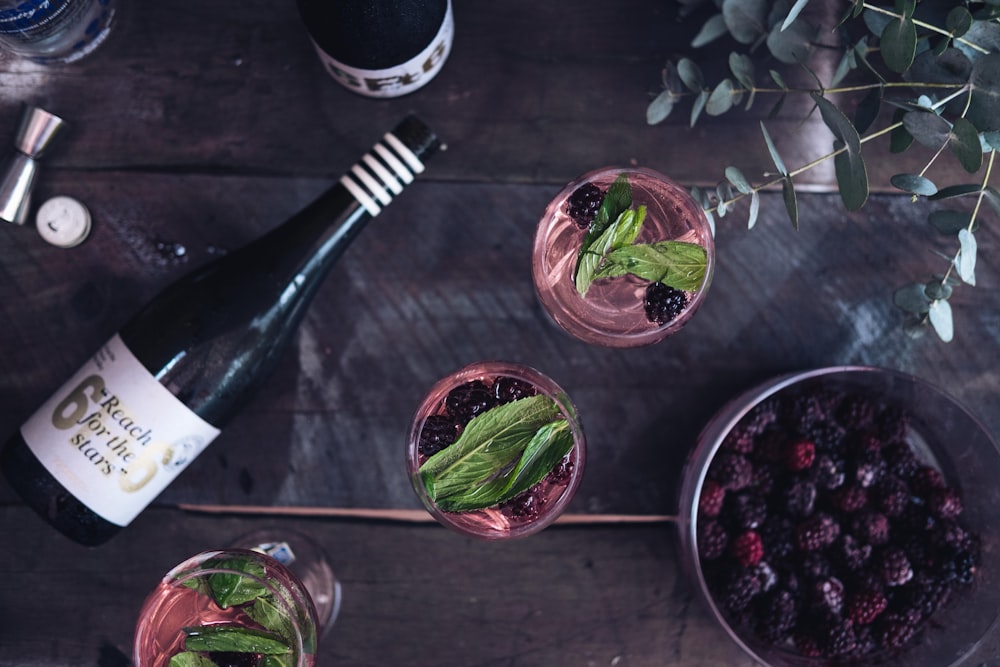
927, 127
754, 209
937, 289
622, 231
777, 78
912, 298
852, 179
675, 263
738, 180
867, 110
794, 12
914, 183
966, 146
985, 100
791, 203
952, 191
965, 261
233, 638
745, 19
690, 74
722, 98
899, 138
941, 319
992, 139
899, 44
698, 106
661, 106
742, 68
779, 164
489, 446
711, 30
791, 45
983, 34
959, 21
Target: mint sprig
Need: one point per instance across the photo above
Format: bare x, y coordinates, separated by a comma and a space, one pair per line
233, 639
622, 232
500, 454
675, 263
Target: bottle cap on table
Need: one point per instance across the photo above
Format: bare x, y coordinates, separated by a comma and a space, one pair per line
35, 133
63, 221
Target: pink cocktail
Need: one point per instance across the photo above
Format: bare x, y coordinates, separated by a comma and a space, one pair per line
622, 257
231, 607
496, 450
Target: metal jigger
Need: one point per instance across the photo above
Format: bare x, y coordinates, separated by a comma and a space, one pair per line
34, 135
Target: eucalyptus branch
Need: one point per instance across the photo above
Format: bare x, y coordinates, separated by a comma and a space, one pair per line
926, 26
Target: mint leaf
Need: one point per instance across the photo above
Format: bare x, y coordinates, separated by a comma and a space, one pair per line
621, 232
190, 659
235, 639
277, 661
487, 451
675, 263
546, 448
617, 200
230, 588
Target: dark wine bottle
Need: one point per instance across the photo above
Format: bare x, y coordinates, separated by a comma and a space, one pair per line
383, 48
149, 401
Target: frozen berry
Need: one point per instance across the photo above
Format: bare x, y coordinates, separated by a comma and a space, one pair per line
584, 204
800, 455
562, 471
849, 499
893, 632
468, 400
926, 480
746, 511
816, 532
508, 389
732, 471
740, 589
800, 499
945, 503
839, 638
524, 506
776, 615
663, 303
892, 496
712, 496
828, 595
712, 539
747, 548
894, 567
438, 432
234, 659
864, 606
828, 472
871, 528
850, 553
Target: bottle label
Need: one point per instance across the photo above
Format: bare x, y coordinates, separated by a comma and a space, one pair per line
114, 436
401, 79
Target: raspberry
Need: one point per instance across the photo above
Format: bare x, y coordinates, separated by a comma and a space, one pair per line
895, 567
871, 528
584, 204
747, 548
849, 499
508, 389
732, 471
663, 303
468, 400
800, 455
712, 539
746, 511
712, 496
817, 532
864, 606
800, 499
945, 504
438, 432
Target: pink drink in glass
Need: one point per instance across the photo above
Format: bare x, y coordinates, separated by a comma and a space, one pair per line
612, 313
528, 512
185, 602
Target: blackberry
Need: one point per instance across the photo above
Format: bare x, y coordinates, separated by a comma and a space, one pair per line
925, 595
894, 566
807, 645
816, 532
828, 472
234, 659
739, 439
800, 455
777, 535
711, 498
712, 540
771, 446
827, 595
746, 511
777, 613
850, 553
903, 463
438, 432
892, 496
663, 303
839, 638
800, 499
468, 400
925, 480
740, 590
732, 471
951, 534
525, 506
892, 424
849, 499
828, 436
871, 528
584, 204
763, 415
864, 606
893, 632
764, 478
945, 504
747, 548
508, 389
856, 411
561, 472
815, 566
959, 567
869, 467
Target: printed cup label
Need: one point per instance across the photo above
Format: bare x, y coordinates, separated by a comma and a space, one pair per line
401, 79
114, 436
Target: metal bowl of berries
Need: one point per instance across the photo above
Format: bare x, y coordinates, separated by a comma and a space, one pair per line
496, 450
845, 515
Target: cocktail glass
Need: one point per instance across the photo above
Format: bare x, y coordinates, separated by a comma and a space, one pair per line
230, 607
622, 257
496, 450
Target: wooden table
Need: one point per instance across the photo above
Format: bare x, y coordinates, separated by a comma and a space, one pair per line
201, 125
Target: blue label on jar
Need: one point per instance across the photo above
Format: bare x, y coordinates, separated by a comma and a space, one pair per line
30, 15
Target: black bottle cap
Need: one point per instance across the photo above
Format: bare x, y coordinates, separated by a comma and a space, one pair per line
418, 137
